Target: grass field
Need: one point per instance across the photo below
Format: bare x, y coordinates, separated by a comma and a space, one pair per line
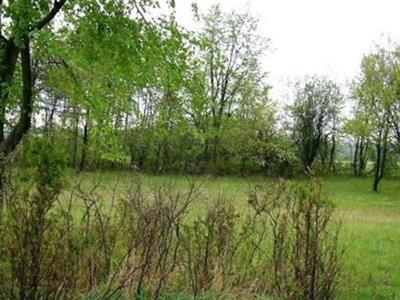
370, 223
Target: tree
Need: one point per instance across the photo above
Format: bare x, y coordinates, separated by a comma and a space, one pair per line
314, 113
231, 54
360, 129
376, 93
20, 22
103, 64
394, 111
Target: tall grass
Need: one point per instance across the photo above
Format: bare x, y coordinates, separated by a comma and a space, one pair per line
141, 244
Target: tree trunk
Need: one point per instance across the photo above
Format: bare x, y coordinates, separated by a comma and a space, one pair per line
355, 159
52, 113
308, 167
8, 60
332, 155
76, 137
9, 52
323, 152
384, 153
85, 142
378, 166
215, 155
381, 154
361, 164
18, 131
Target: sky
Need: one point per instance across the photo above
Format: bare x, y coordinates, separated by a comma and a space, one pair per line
312, 37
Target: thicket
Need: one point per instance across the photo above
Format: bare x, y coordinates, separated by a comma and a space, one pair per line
83, 241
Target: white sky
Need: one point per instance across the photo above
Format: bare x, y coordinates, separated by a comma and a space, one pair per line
308, 37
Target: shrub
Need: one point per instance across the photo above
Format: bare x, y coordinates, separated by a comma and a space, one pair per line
305, 252
131, 242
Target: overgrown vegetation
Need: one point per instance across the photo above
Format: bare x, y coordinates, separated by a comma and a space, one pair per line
141, 243
121, 88
99, 85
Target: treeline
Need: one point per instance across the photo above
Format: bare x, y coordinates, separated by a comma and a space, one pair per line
118, 86
184, 102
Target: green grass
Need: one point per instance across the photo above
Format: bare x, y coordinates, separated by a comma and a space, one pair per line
370, 223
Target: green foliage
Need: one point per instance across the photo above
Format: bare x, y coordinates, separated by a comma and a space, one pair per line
314, 112
280, 157
117, 85
375, 117
29, 228
48, 160
119, 89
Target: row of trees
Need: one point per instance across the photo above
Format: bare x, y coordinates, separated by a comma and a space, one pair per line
118, 87
128, 92
373, 129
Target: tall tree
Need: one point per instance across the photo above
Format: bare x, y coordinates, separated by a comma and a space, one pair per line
105, 62
314, 111
376, 93
231, 53
20, 22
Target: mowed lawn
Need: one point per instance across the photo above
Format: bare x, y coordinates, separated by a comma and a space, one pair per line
370, 222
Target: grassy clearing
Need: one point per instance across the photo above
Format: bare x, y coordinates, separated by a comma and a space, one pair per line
371, 231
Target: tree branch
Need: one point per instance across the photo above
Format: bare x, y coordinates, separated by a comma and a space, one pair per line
1, 20
24, 122
8, 60
58, 4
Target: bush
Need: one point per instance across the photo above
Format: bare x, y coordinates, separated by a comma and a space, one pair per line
305, 252
132, 242
30, 231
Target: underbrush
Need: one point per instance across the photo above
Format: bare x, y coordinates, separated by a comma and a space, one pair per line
141, 245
